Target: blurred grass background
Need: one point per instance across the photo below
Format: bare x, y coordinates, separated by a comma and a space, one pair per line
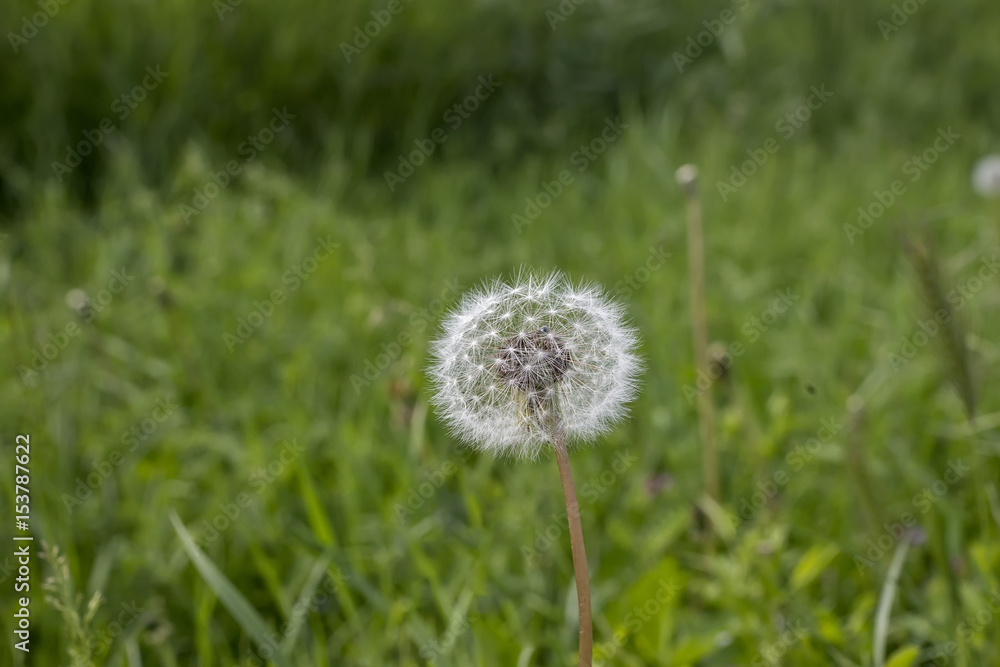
311, 485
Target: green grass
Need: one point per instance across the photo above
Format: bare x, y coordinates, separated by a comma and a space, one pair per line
276, 488
419, 538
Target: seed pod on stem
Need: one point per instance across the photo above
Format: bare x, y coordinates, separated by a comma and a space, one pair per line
533, 365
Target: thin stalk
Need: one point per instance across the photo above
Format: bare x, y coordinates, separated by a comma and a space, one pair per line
577, 546
959, 366
885, 600
687, 178
856, 462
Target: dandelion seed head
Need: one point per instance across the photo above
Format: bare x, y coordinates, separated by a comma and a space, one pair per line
986, 176
515, 356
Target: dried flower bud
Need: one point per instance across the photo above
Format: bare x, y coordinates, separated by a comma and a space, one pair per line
687, 177
986, 176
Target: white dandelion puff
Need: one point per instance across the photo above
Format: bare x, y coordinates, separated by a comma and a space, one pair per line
986, 176
532, 364
517, 360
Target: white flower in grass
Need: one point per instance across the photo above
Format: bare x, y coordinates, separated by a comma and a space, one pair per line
986, 176
517, 360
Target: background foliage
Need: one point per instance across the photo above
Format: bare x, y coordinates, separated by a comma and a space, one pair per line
302, 479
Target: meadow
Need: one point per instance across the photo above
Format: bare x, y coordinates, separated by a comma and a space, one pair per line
216, 325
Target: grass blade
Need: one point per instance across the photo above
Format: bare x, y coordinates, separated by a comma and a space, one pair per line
300, 610
885, 600
228, 594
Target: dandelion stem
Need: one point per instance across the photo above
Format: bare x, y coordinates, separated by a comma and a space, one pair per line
577, 546
687, 178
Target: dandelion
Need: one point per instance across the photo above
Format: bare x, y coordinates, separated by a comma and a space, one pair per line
517, 359
533, 365
986, 176
687, 177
